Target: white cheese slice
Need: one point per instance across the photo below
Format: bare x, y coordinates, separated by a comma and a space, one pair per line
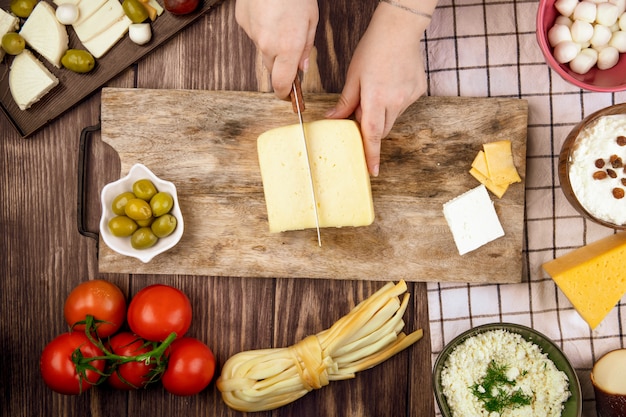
340, 176
43, 32
29, 80
8, 23
60, 2
101, 43
156, 7
472, 219
86, 8
105, 17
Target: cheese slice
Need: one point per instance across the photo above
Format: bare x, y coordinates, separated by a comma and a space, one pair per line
592, 277
103, 18
86, 8
43, 32
480, 171
472, 219
339, 172
29, 79
8, 23
60, 2
500, 163
104, 41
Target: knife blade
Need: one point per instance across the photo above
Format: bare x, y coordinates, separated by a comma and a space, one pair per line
297, 103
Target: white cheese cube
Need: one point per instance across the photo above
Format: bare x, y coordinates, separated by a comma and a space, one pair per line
472, 219
338, 169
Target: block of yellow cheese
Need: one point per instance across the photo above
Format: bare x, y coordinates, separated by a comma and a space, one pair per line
340, 176
592, 277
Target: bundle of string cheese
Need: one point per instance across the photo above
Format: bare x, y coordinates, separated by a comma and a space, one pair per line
369, 334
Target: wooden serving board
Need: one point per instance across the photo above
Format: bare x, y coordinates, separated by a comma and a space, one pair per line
75, 87
205, 142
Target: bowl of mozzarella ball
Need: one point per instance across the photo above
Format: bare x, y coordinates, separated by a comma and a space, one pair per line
585, 41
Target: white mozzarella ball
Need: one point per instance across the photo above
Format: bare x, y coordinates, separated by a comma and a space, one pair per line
607, 58
585, 11
140, 33
607, 14
621, 5
67, 13
565, 51
582, 31
566, 7
622, 21
618, 40
584, 61
601, 36
563, 20
560, 33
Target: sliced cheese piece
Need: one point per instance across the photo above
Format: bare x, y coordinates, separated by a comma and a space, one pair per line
497, 189
8, 23
480, 163
103, 42
29, 80
43, 32
472, 219
87, 8
159, 9
592, 277
105, 17
60, 2
500, 163
340, 176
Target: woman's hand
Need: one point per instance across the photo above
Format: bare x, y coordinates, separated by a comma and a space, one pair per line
284, 32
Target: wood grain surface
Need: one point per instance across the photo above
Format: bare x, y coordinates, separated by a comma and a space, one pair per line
205, 143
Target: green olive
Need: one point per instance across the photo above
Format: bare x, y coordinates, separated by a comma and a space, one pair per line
144, 189
145, 223
78, 60
120, 201
161, 203
23, 8
138, 209
143, 238
122, 226
135, 10
164, 226
13, 43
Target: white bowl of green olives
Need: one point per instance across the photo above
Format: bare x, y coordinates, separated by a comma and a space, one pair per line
140, 215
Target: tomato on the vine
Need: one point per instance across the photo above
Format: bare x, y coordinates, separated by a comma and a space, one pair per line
101, 299
58, 364
190, 367
158, 310
130, 375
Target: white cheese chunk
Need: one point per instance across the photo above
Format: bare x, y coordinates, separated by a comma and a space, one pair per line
101, 43
472, 219
87, 8
45, 34
60, 2
8, 23
102, 19
29, 80
340, 176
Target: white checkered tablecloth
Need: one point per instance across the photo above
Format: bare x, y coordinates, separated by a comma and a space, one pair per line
489, 48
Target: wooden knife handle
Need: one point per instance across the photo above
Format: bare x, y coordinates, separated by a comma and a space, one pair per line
297, 93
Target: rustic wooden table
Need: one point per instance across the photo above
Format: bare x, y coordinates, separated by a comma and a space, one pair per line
43, 255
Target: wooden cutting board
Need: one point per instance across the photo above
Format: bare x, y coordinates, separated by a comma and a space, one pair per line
205, 143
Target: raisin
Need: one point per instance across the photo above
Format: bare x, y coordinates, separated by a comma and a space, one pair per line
621, 140
618, 193
599, 175
611, 173
599, 163
616, 161
623, 180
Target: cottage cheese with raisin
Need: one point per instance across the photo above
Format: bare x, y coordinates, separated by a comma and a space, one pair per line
602, 195
533, 373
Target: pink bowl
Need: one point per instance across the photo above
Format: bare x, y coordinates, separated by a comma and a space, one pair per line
611, 80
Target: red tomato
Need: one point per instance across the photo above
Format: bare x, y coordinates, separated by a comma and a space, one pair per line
59, 371
190, 367
136, 374
102, 300
158, 310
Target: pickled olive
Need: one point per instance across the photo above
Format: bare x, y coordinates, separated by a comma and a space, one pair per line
161, 203
13, 43
138, 209
23, 8
145, 223
78, 60
122, 226
135, 10
143, 238
144, 189
119, 203
164, 226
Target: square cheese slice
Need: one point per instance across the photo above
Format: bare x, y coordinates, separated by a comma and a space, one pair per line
102, 19
472, 219
500, 163
340, 176
592, 277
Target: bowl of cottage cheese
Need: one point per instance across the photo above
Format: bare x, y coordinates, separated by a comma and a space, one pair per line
506, 370
592, 167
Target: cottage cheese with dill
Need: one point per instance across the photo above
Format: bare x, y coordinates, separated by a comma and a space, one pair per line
598, 141
535, 375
